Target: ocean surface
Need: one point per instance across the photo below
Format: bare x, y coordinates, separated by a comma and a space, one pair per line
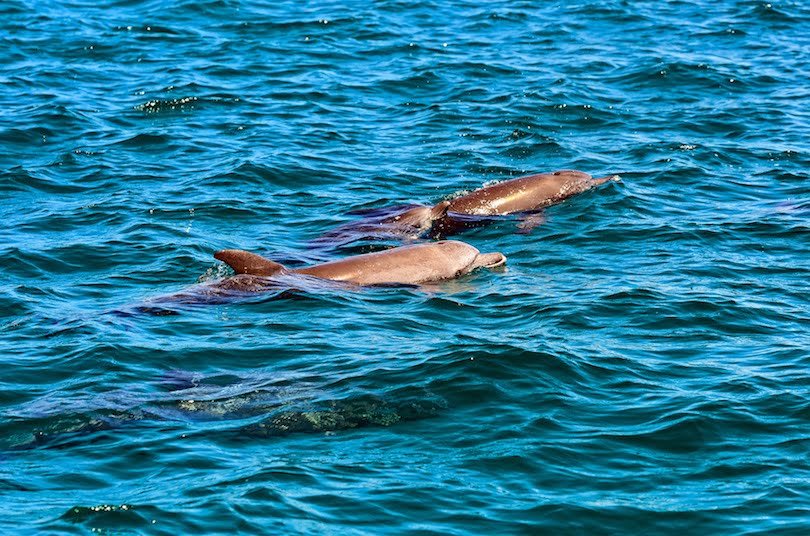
641, 366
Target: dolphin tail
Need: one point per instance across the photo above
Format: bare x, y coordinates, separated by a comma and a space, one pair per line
489, 260
244, 262
439, 210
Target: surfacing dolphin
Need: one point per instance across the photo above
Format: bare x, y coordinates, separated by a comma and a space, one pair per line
524, 195
404, 265
256, 276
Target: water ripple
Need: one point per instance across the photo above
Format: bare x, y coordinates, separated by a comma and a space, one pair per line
640, 364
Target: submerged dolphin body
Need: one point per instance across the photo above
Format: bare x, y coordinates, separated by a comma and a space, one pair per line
274, 411
402, 222
404, 265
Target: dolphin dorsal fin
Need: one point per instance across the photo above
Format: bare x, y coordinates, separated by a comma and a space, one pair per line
245, 262
439, 210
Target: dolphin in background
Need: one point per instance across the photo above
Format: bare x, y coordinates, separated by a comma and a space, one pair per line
524, 196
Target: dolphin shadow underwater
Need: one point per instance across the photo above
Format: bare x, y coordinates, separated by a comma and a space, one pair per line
524, 197
251, 408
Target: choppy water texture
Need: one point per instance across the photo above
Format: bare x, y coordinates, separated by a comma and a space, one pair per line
641, 365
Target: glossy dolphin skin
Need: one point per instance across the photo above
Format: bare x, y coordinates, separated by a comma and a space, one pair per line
406, 265
524, 194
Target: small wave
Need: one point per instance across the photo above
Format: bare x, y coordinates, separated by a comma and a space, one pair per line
150, 29
163, 105
772, 12
116, 517
20, 180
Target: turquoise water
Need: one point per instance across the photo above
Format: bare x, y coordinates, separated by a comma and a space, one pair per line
641, 365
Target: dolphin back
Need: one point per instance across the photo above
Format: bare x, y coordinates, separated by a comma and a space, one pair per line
402, 265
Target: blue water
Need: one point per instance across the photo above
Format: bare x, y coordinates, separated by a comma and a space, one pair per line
641, 366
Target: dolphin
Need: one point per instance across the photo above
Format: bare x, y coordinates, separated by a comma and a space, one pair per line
527, 195
524, 194
404, 265
256, 275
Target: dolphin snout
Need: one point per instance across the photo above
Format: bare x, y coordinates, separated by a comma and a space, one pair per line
602, 180
490, 260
